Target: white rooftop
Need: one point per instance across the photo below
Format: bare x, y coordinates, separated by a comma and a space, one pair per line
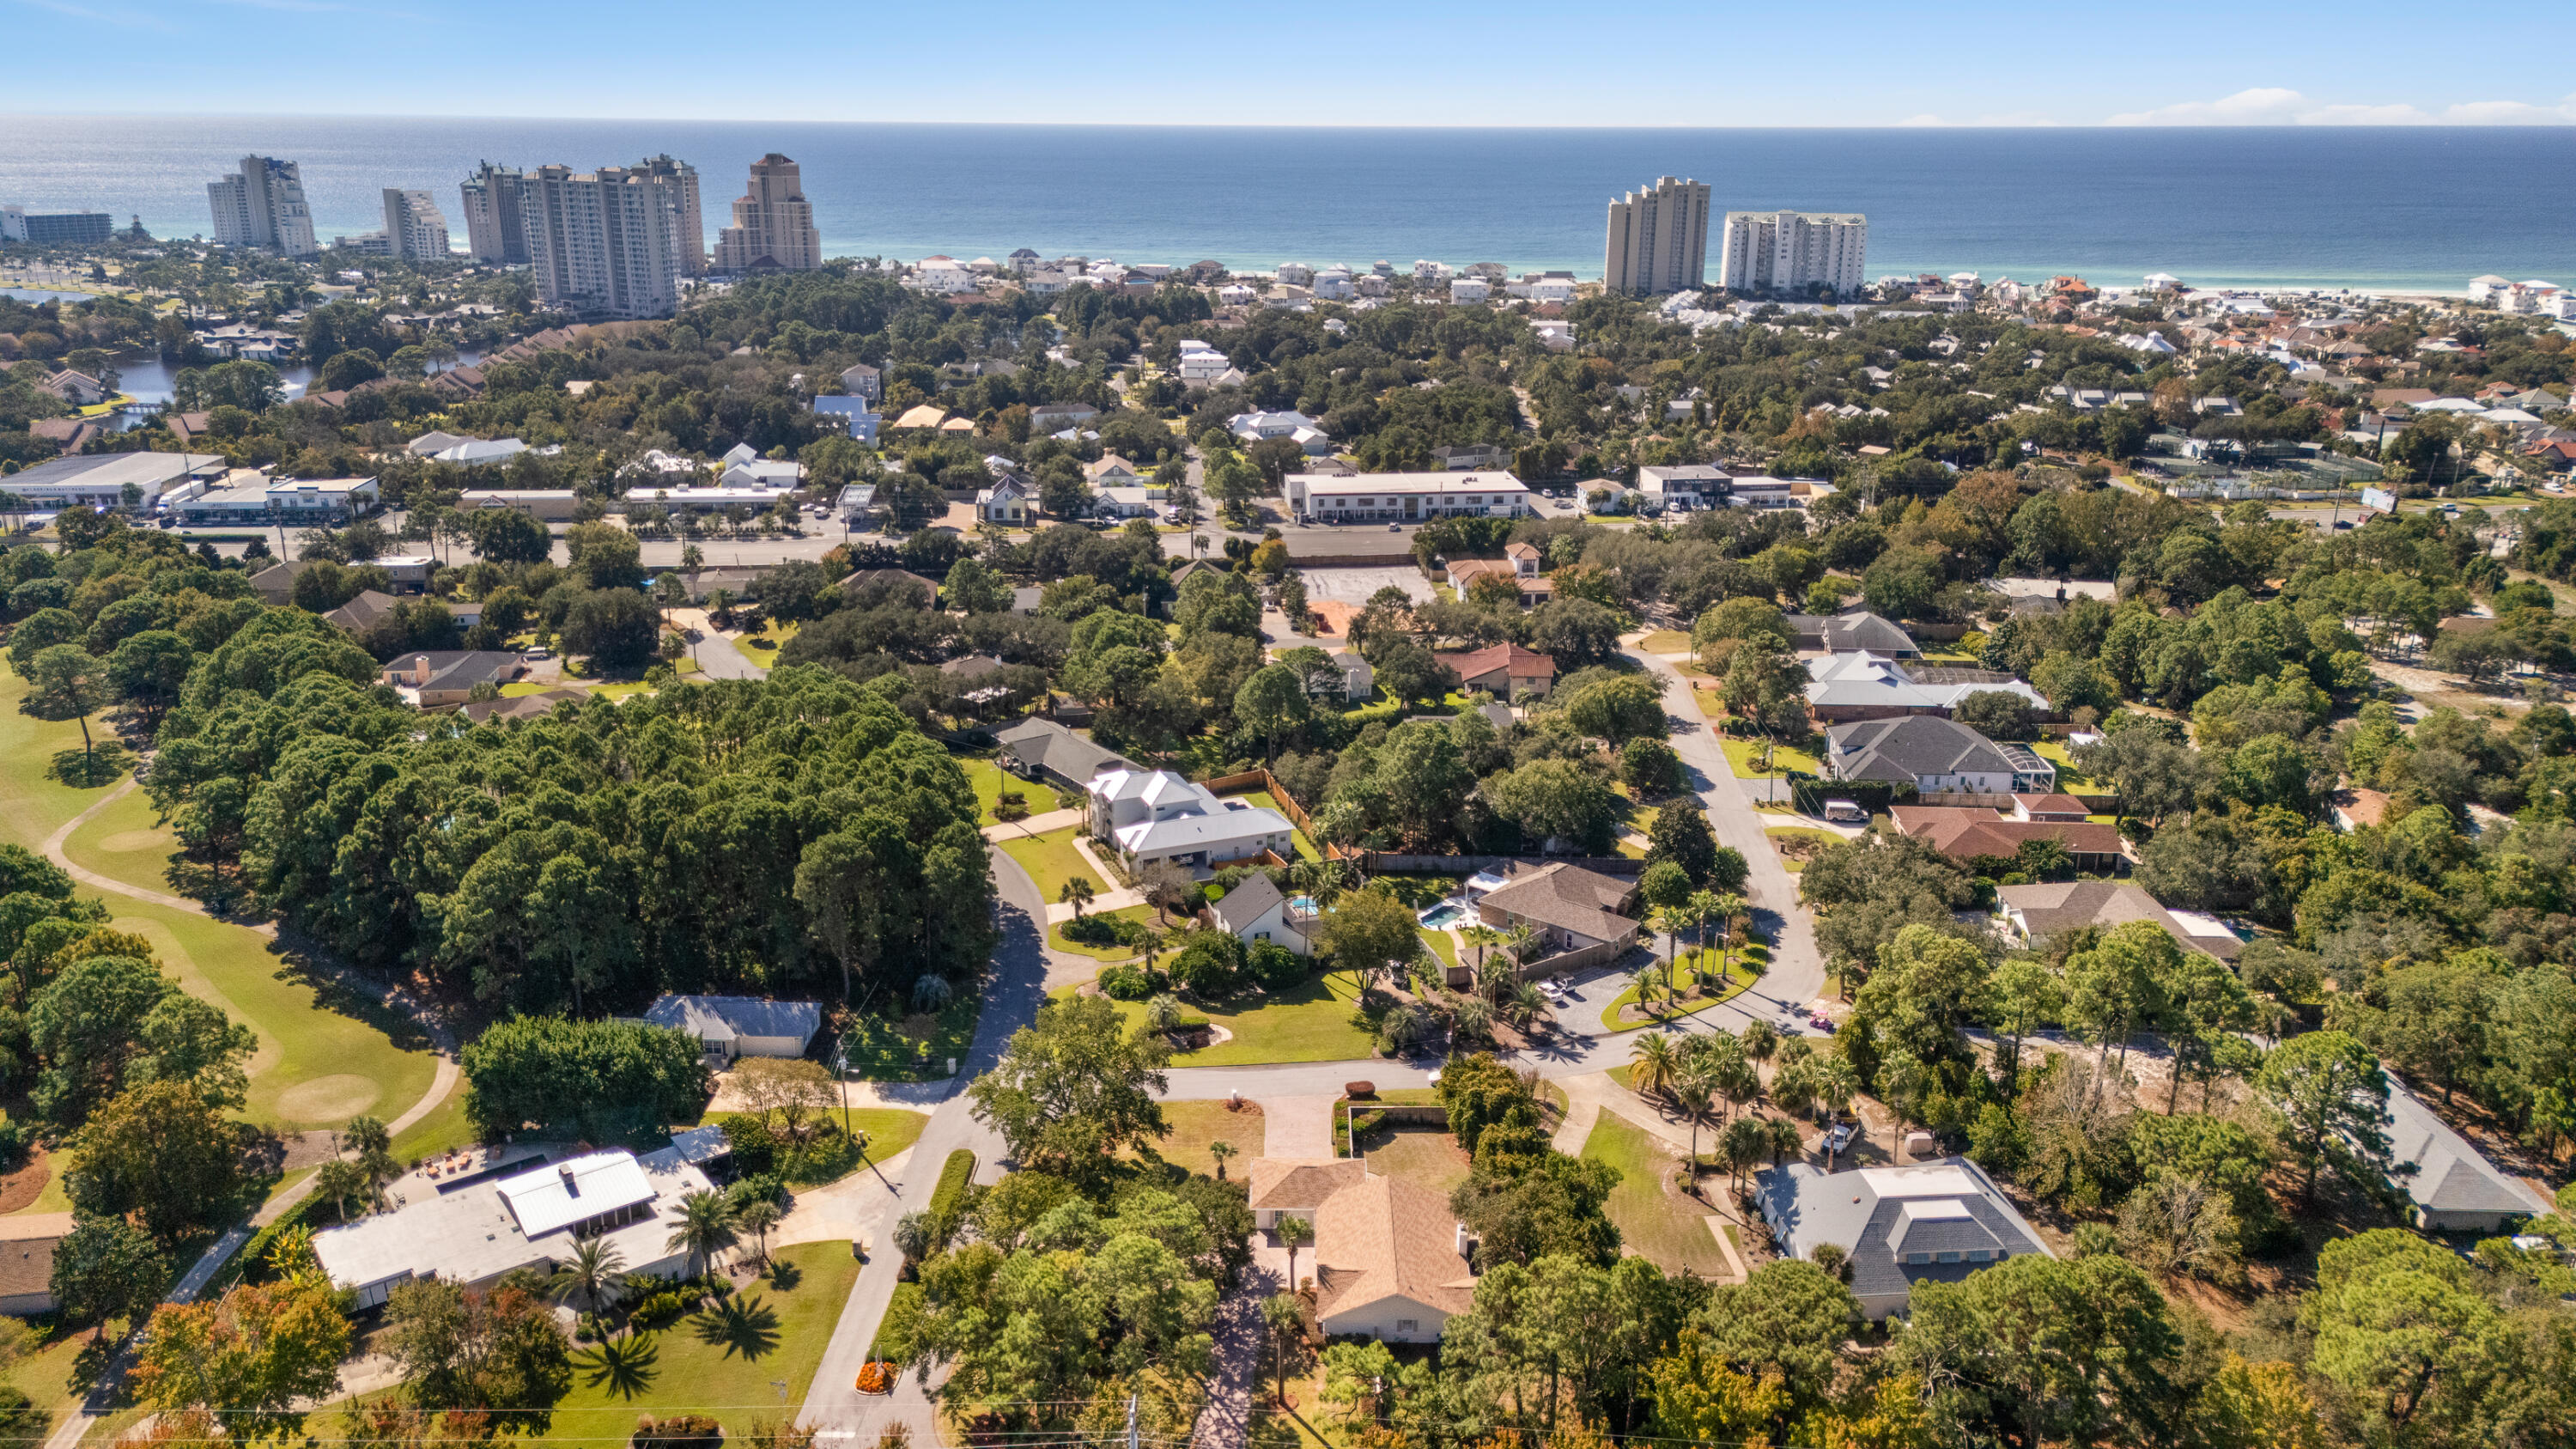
561, 1194
1920, 1182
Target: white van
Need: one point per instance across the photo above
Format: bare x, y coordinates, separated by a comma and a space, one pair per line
1846, 812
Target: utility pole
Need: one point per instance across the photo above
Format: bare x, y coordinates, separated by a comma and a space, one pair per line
1131, 1423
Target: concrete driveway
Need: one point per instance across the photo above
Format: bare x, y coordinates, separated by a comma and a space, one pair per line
1354, 585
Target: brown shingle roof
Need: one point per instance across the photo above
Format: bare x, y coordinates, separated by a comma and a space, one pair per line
1568, 897
1302, 1183
2050, 908
1383, 1238
1964, 833
27, 1252
1514, 661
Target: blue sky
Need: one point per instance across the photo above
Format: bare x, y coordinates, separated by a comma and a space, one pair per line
1435, 62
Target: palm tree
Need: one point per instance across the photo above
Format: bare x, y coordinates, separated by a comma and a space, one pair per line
1703, 909
340, 1180
1835, 1084
1285, 1317
1652, 1065
1163, 1012
691, 557
1483, 938
1080, 892
1761, 1039
757, 1217
1220, 1151
706, 1228
1784, 1139
1728, 908
1793, 1087
1524, 944
1690, 1094
593, 1278
1525, 1006
1734, 1078
1747, 1143
1294, 1231
1474, 1019
374, 1144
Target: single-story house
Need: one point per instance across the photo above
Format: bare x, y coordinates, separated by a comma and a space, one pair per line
431, 444
1843, 687
361, 613
475, 1230
546, 505
1390, 1258
2454, 1188
1898, 1226
1359, 677
27, 1261
1151, 815
1932, 753
1854, 631
520, 706
276, 583
1505, 671
1970, 832
1256, 911
741, 1026
1041, 749
1128, 501
431, 679
1009, 501
1570, 908
920, 585
2028, 915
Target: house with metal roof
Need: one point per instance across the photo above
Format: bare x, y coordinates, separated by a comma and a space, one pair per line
1873, 686
2454, 1188
740, 1026
1041, 749
1854, 631
1897, 1226
1155, 815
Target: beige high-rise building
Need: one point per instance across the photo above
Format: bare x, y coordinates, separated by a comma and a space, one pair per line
262, 206
773, 223
691, 238
1658, 239
415, 229
1794, 252
611, 242
494, 229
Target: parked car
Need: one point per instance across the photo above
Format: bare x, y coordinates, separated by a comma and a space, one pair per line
1821, 1022
537, 651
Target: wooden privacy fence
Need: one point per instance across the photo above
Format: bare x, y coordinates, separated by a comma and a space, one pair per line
1382, 861
1259, 777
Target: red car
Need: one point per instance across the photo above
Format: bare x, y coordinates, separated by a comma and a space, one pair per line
1821, 1022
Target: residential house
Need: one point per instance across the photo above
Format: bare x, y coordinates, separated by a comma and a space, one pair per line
850, 414
2030, 915
519, 706
1505, 671
471, 1231
68, 435
1695, 484
1129, 502
862, 381
1305, 432
1359, 677
431, 444
27, 1242
1111, 471
740, 1026
77, 388
1571, 908
1855, 631
361, 613
1468, 457
1256, 911
924, 591
1870, 686
1009, 501
1041, 749
433, 679
1897, 1226
1155, 815
2354, 809
1933, 754
1051, 418
1969, 833
2454, 1188
1390, 1258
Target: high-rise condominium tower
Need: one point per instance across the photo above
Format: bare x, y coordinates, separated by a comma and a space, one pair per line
1658, 239
415, 229
683, 178
612, 242
495, 229
773, 223
1793, 251
262, 206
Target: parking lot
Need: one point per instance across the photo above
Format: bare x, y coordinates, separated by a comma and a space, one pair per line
1354, 585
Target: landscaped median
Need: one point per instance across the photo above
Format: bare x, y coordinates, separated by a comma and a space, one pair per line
1740, 973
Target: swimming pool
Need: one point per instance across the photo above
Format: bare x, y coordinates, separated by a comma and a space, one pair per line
1302, 905
1444, 915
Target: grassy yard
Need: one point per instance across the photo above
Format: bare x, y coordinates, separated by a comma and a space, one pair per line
1664, 1227
1745, 756
1051, 860
1666, 641
721, 1364
761, 645
1056, 939
990, 780
2068, 777
1442, 945
1196, 1124
1309, 1024
1265, 800
1799, 832
889, 1129
880, 1052
1738, 977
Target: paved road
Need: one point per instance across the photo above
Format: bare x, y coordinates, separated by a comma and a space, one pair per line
833, 1404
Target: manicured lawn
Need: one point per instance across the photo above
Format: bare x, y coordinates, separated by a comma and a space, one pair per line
1419, 1155
1056, 939
889, 1129
1051, 860
761, 646
1745, 756
990, 780
31, 804
1664, 1227
1442, 945
1196, 1124
444, 1128
1799, 832
2068, 777
1737, 978
1265, 800
723, 1364
1666, 641
1311, 1023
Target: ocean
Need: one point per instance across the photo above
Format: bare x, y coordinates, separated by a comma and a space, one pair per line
2388, 209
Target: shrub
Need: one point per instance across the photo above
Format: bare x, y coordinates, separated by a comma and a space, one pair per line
758, 1187
1650, 767
1209, 965
1275, 966
902, 1323
1091, 930
679, 1431
1129, 982
658, 1311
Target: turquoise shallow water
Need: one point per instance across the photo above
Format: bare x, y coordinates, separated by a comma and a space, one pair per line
2389, 208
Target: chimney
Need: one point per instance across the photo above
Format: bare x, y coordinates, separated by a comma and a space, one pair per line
572, 1184
1464, 1242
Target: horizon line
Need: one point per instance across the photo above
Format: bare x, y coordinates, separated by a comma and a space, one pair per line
1907, 125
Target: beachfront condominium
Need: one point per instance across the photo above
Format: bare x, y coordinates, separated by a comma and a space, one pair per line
773, 223
1793, 251
682, 178
61, 228
415, 229
495, 230
1658, 239
608, 243
262, 206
